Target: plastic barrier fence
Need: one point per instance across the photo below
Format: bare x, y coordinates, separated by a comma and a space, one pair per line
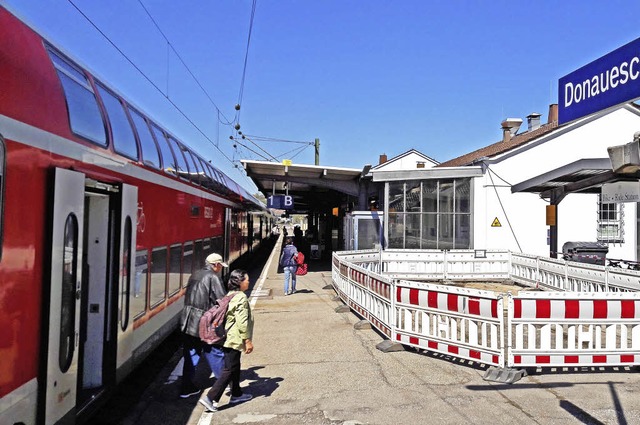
598, 327
465, 323
573, 329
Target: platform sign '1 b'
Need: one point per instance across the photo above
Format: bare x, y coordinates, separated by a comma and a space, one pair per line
280, 202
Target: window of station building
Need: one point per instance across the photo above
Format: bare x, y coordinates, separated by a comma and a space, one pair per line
168, 160
150, 154
179, 151
140, 283
158, 287
85, 118
124, 141
430, 214
610, 222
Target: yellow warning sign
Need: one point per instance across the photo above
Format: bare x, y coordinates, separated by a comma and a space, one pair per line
496, 223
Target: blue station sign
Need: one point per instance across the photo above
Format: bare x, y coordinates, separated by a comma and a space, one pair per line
280, 202
608, 81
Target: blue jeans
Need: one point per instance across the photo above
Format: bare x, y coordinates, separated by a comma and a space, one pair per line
290, 273
192, 350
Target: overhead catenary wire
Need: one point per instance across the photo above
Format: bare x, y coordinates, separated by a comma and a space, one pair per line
149, 80
502, 207
185, 65
246, 59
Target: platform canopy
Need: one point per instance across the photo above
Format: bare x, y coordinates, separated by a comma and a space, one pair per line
313, 187
583, 176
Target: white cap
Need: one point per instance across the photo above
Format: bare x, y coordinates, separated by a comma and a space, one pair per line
216, 259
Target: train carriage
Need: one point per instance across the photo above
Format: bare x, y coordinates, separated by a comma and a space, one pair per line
104, 214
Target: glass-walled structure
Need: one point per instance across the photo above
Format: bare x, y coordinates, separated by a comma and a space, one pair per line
429, 214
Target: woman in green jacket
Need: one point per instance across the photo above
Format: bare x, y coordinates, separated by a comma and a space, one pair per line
239, 328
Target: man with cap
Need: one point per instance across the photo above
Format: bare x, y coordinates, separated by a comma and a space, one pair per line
203, 289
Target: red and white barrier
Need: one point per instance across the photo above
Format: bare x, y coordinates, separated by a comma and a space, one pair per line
461, 322
570, 329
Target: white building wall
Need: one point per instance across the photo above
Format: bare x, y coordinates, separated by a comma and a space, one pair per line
407, 162
523, 219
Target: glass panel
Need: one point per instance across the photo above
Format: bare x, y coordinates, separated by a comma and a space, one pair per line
84, 114
198, 255
168, 161
463, 195
158, 276
140, 283
68, 293
396, 196
217, 245
429, 231
445, 231
413, 196
67, 68
175, 261
463, 231
396, 230
446, 197
125, 281
183, 169
194, 166
150, 155
430, 196
187, 263
124, 142
412, 231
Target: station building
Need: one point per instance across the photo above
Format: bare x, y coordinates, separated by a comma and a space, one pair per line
479, 200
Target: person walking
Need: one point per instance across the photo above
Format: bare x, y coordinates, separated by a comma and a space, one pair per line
203, 289
239, 326
289, 265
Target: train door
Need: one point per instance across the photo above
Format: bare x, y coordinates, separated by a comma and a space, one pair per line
90, 334
64, 295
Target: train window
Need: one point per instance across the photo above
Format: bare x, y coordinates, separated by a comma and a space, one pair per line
175, 261
168, 160
140, 283
188, 266
178, 150
150, 154
84, 114
124, 142
216, 244
125, 275
68, 295
198, 255
2, 166
158, 288
193, 164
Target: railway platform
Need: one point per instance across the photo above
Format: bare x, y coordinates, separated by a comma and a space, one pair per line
314, 365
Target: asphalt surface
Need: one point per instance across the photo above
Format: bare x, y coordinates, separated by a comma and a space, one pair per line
311, 365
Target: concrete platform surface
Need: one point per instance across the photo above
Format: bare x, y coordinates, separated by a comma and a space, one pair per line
311, 366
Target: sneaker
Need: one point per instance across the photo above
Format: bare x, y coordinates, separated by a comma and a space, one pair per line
210, 406
189, 391
240, 398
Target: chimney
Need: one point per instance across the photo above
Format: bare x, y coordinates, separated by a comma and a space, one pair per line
533, 121
383, 159
553, 113
510, 127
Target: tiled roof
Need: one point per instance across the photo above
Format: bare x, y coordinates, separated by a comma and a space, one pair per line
499, 147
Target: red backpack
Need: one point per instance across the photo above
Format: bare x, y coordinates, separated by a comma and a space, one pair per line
302, 267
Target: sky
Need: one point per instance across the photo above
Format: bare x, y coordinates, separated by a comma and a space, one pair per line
364, 77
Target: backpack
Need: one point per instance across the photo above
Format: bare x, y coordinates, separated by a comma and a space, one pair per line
212, 323
300, 259
301, 270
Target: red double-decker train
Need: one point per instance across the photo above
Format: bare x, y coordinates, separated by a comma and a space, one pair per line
104, 214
